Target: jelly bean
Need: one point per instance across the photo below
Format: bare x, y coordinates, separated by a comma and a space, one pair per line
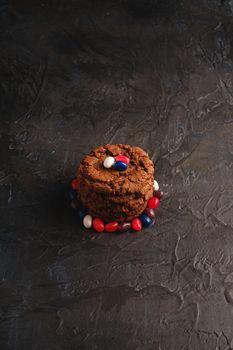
74, 184
111, 226
136, 224
81, 213
120, 166
125, 226
153, 203
72, 194
108, 162
87, 221
156, 186
98, 225
158, 194
150, 212
123, 159
146, 221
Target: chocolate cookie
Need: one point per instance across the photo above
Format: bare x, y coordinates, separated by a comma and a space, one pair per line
114, 195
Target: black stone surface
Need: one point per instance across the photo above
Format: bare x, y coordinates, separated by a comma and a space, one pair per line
77, 74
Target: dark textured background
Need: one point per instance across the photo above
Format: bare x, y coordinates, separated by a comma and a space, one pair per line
77, 74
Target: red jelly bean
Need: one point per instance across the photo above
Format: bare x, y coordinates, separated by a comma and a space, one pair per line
111, 226
98, 225
153, 203
158, 194
121, 158
74, 184
136, 224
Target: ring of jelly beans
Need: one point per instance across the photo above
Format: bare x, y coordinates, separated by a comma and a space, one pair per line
145, 219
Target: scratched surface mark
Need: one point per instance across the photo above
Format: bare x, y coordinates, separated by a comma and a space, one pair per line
152, 73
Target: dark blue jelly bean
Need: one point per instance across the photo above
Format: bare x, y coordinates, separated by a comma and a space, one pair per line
72, 194
81, 213
146, 221
120, 166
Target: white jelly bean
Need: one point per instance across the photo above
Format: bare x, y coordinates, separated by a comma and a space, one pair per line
156, 185
87, 221
108, 162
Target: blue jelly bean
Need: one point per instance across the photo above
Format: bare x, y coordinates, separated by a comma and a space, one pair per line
81, 213
120, 166
146, 221
72, 194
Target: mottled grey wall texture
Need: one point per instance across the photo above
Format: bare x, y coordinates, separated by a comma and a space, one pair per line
77, 74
